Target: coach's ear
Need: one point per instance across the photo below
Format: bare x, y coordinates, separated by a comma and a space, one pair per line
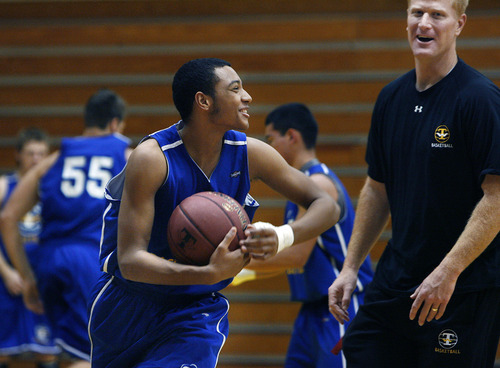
460, 24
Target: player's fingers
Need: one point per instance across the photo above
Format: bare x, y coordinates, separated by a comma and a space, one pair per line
228, 238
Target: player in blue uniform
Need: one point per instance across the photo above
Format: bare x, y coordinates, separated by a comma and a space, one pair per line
311, 266
434, 166
149, 310
22, 330
70, 186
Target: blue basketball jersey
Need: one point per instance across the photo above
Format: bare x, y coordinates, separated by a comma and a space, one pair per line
184, 179
77, 180
30, 225
311, 282
20, 329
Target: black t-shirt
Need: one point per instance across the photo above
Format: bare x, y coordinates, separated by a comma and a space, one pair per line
432, 150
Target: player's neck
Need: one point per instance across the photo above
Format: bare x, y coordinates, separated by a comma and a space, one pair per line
430, 72
95, 132
303, 158
204, 147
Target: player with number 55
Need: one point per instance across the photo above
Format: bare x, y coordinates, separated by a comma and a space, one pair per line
70, 186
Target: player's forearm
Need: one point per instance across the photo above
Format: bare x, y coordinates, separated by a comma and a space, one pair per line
482, 227
4, 266
14, 247
372, 215
142, 266
321, 215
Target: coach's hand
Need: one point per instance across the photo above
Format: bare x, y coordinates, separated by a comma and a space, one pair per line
433, 295
339, 294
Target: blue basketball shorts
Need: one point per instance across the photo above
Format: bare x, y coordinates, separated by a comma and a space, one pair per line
131, 329
66, 275
315, 333
22, 330
382, 334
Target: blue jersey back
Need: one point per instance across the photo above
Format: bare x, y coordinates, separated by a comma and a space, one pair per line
72, 190
311, 282
184, 179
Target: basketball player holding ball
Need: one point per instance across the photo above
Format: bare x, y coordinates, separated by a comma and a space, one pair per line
147, 309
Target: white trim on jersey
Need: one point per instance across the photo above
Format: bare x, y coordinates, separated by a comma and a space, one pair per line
235, 143
172, 145
103, 226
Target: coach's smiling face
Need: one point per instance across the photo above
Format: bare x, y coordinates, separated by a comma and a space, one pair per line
433, 27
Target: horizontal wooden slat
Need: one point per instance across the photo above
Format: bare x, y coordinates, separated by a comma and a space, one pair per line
273, 284
318, 28
284, 61
187, 8
140, 125
263, 312
256, 344
158, 94
45, 9
255, 61
315, 28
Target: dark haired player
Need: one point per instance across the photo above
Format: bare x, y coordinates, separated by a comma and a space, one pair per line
148, 310
70, 187
311, 266
434, 166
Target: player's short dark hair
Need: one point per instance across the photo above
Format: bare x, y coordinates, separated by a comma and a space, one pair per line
296, 116
102, 107
30, 134
196, 75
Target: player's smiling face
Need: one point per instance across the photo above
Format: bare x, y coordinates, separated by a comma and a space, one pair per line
231, 104
433, 27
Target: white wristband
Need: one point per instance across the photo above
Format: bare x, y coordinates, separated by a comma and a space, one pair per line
285, 236
284, 233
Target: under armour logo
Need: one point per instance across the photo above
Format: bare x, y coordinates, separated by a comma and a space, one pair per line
418, 108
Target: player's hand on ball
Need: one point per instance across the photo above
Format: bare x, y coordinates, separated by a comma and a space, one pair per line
227, 263
260, 242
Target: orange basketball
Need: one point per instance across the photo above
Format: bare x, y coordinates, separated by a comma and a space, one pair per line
200, 222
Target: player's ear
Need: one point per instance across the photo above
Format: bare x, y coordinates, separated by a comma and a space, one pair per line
293, 135
116, 126
203, 101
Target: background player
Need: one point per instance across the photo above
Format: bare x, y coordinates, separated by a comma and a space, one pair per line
434, 165
311, 266
70, 186
21, 330
148, 309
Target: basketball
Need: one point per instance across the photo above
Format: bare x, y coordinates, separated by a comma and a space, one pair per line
200, 222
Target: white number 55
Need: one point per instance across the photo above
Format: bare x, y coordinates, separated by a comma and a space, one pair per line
75, 179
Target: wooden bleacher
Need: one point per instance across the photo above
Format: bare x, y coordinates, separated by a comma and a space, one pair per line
334, 56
